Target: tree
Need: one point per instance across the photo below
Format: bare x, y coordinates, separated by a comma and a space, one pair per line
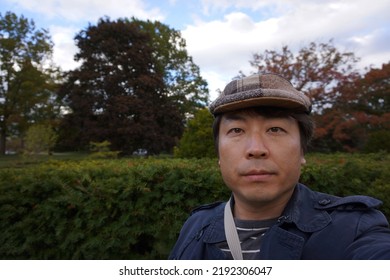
317, 70
185, 86
133, 89
40, 138
102, 150
197, 140
26, 87
378, 141
369, 93
364, 111
330, 78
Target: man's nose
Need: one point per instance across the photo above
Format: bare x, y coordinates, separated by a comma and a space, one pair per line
257, 147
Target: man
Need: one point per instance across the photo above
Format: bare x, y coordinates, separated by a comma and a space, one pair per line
262, 129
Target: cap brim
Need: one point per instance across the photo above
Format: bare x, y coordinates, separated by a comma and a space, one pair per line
261, 102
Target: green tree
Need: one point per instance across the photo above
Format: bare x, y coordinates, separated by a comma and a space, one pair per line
133, 89
185, 86
26, 87
378, 141
102, 150
40, 138
197, 140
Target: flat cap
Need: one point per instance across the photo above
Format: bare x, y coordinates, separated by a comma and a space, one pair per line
260, 90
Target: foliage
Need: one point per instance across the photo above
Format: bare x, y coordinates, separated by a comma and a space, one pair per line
360, 114
317, 69
21, 161
370, 93
197, 140
26, 87
347, 106
40, 138
100, 209
134, 209
378, 141
100, 146
185, 86
350, 174
133, 88
102, 150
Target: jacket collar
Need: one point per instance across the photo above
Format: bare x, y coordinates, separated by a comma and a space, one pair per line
215, 232
300, 211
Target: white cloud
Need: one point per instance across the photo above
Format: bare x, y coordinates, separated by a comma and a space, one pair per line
64, 46
210, 6
90, 10
224, 46
222, 35
373, 47
71, 16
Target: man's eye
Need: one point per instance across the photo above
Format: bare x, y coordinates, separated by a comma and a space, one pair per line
276, 129
235, 130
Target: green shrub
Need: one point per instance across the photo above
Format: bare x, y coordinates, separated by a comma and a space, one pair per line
378, 141
101, 150
197, 140
40, 138
102, 209
350, 174
134, 209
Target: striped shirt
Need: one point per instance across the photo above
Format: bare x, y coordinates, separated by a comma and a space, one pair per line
250, 234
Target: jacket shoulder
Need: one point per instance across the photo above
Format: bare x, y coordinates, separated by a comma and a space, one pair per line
211, 207
189, 245
203, 215
347, 203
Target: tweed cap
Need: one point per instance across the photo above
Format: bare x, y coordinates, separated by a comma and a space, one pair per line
260, 90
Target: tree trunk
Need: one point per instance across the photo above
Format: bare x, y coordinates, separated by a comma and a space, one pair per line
3, 138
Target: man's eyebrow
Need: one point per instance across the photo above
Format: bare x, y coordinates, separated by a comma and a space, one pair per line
234, 117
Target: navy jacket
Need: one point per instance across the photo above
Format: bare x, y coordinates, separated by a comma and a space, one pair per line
313, 225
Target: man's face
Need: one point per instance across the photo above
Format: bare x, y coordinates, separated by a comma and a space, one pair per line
260, 159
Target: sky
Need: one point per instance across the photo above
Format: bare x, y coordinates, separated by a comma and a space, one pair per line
223, 35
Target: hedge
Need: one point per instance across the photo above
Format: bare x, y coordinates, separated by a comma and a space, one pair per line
134, 208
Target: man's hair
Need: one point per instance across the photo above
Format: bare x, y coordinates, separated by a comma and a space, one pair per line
305, 123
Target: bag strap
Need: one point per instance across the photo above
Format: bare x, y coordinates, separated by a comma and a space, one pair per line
231, 233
